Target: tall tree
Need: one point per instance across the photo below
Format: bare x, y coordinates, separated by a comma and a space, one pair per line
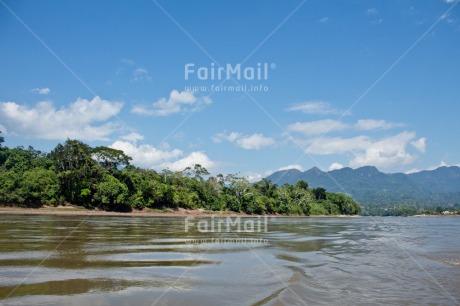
110, 159
76, 169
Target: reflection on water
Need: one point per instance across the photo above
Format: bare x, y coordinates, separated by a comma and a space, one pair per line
150, 261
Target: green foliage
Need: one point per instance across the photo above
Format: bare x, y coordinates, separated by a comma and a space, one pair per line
102, 177
110, 159
318, 209
320, 193
110, 193
39, 186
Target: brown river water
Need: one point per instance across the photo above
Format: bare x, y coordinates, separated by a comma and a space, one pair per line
100, 260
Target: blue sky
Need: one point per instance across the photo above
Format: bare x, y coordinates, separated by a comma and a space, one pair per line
349, 83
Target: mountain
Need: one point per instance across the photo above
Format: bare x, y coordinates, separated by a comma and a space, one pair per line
369, 186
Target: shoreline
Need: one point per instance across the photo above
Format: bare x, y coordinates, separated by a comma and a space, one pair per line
179, 213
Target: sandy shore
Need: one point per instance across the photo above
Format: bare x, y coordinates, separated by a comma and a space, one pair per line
180, 213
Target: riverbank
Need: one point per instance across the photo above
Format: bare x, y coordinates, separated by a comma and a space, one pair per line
180, 213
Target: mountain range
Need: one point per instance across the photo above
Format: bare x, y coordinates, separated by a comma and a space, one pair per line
369, 186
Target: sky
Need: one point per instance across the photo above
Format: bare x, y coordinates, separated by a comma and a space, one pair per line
248, 87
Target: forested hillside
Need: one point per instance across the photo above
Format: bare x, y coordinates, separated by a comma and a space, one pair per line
378, 191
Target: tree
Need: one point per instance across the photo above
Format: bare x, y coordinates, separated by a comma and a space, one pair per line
9, 187
73, 155
39, 186
110, 159
302, 185
240, 187
320, 193
198, 172
111, 193
76, 169
266, 187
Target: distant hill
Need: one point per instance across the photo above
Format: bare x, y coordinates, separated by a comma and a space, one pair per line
369, 186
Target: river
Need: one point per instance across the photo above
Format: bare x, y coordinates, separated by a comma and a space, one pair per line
89, 260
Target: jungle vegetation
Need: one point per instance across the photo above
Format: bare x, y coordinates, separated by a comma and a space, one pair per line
103, 178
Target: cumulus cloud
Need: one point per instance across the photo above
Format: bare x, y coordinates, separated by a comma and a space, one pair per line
288, 167
178, 102
335, 166
255, 141
190, 160
254, 177
337, 145
79, 120
148, 156
371, 124
316, 107
145, 155
419, 144
386, 153
318, 127
42, 91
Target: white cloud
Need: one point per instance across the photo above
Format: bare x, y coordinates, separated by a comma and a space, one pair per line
148, 156
145, 155
318, 127
385, 153
419, 144
371, 124
178, 102
450, 1
316, 107
218, 138
337, 145
141, 74
41, 91
255, 141
295, 166
133, 137
254, 177
335, 166
45, 121
413, 170
324, 20
190, 160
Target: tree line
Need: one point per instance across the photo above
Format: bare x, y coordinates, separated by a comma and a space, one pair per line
102, 177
